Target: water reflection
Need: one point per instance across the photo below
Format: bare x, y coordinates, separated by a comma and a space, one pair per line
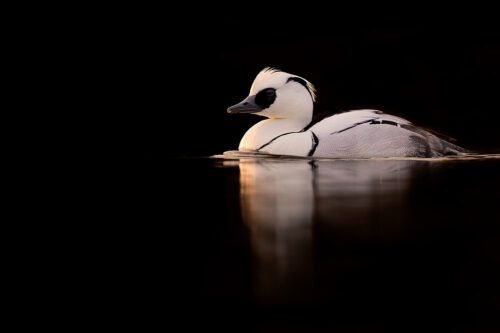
285, 203
389, 245
364, 198
277, 201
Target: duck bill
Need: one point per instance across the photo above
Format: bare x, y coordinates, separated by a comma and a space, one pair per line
248, 105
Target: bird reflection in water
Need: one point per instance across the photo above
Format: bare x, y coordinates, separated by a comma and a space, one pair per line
277, 204
286, 204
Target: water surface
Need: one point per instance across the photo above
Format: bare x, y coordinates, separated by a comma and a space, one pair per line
295, 244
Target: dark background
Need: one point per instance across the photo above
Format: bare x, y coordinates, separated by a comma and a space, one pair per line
166, 84
155, 85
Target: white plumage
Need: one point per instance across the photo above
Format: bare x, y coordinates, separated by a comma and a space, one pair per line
287, 100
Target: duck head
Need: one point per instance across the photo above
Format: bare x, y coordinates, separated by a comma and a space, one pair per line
278, 95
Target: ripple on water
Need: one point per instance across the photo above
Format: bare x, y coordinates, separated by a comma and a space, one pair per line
236, 155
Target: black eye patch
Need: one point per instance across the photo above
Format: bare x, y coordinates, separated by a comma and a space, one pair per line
265, 97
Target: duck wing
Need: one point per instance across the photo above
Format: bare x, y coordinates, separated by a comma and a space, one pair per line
341, 122
372, 133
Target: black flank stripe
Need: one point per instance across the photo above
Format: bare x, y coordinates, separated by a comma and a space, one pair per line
371, 121
272, 140
347, 128
315, 142
386, 122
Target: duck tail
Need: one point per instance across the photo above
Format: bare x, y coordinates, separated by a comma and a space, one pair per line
441, 147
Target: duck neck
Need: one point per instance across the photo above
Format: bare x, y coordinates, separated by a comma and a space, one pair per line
266, 130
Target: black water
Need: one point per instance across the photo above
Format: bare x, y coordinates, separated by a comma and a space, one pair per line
296, 245
269, 245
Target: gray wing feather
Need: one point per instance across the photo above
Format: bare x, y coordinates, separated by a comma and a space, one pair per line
385, 140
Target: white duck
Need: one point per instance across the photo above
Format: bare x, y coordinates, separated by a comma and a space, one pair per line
287, 101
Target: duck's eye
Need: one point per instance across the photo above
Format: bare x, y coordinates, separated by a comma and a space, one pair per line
265, 97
